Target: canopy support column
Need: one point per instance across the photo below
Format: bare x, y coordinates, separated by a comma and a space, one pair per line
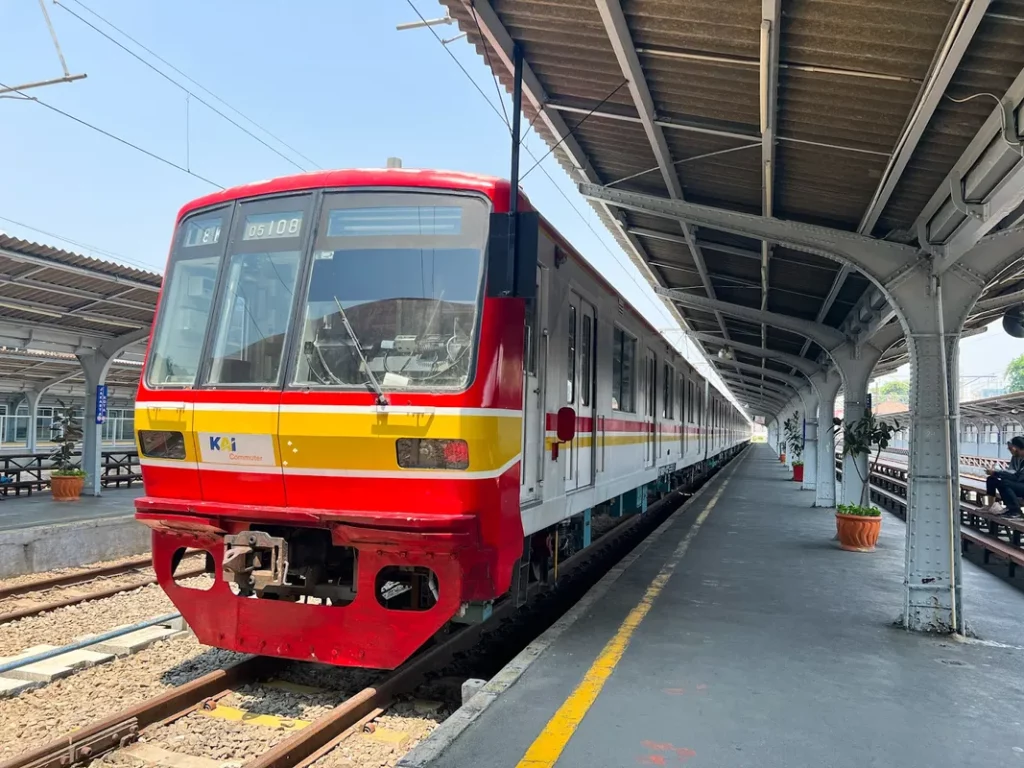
95, 365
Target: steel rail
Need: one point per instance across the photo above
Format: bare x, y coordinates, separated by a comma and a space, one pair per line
123, 727
33, 610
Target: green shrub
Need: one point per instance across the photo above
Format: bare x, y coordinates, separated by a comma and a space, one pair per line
857, 509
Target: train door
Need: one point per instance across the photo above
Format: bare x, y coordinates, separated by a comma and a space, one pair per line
533, 416
579, 394
668, 413
650, 403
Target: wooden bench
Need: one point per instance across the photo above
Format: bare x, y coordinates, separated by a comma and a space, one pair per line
1013, 555
1003, 537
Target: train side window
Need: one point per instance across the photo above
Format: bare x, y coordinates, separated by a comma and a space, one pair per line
651, 384
682, 398
586, 354
570, 379
623, 371
668, 396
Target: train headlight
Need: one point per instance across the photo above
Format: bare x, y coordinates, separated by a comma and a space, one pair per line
421, 453
162, 444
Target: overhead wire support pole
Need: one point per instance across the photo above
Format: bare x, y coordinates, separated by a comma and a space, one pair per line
513, 191
53, 36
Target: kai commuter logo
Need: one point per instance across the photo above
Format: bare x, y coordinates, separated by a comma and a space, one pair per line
239, 450
223, 443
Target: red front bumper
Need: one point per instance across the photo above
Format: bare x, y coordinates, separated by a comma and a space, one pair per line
363, 633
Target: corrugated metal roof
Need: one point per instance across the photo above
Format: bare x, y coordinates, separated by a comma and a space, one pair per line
850, 76
40, 284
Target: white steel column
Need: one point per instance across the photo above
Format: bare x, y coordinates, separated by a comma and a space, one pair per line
32, 397
856, 375
95, 365
811, 440
828, 387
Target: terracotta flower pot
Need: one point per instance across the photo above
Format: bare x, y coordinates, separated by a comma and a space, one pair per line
858, 533
798, 472
782, 458
66, 487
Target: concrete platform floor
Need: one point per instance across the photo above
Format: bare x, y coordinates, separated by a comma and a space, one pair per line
19, 512
767, 647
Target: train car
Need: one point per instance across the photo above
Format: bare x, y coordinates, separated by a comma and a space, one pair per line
372, 421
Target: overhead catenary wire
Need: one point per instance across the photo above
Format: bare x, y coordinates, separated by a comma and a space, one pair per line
175, 83
192, 80
79, 244
117, 138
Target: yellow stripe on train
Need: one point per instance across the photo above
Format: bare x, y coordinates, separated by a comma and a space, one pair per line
345, 440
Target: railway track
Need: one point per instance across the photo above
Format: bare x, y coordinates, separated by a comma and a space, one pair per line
31, 598
304, 745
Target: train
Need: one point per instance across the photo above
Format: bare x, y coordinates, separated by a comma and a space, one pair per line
380, 403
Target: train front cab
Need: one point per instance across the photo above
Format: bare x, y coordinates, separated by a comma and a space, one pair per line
331, 409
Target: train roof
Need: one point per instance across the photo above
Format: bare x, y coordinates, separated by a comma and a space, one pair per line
495, 188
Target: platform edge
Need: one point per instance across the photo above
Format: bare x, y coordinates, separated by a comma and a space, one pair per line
451, 729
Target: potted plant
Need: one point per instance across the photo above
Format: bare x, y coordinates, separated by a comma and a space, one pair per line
795, 439
858, 525
66, 478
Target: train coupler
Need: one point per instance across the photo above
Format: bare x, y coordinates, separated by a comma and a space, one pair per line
255, 560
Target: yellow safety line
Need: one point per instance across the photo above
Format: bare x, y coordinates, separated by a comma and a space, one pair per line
547, 748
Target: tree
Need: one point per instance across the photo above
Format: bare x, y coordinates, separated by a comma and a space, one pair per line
895, 391
1015, 375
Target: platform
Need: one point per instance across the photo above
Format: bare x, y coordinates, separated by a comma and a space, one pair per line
767, 646
39, 534
19, 512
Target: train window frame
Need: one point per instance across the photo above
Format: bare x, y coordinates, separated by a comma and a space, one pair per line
650, 383
309, 203
215, 250
588, 358
571, 342
621, 341
320, 214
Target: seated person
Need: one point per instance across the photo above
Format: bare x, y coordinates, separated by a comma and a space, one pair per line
1008, 483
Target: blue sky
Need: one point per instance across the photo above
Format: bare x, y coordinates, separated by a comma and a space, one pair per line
334, 80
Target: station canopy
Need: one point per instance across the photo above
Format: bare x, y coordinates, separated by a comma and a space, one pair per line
56, 305
893, 119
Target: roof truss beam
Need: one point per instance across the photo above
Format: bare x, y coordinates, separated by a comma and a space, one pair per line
758, 383
806, 367
823, 335
984, 186
741, 133
796, 382
80, 271
877, 258
76, 293
963, 26
625, 53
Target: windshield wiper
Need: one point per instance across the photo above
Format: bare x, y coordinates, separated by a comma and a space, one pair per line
374, 384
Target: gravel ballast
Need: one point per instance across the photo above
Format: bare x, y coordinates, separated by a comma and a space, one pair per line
65, 625
40, 715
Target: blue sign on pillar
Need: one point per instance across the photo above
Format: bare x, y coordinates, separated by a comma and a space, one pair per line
101, 403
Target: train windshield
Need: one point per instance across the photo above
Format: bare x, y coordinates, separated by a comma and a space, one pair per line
187, 301
394, 291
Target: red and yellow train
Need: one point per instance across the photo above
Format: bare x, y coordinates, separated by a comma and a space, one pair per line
372, 420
